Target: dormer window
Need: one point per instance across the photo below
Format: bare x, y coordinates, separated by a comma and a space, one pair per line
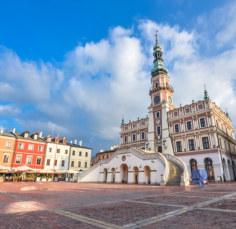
26, 135
35, 136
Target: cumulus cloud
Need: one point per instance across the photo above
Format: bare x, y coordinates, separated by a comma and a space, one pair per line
99, 82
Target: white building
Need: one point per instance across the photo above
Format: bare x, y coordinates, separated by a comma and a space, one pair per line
171, 142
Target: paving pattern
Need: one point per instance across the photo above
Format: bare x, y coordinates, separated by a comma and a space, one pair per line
73, 205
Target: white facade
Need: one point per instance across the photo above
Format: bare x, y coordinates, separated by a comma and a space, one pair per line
57, 157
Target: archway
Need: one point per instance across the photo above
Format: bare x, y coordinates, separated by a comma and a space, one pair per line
113, 174
136, 172
194, 171
147, 174
105, 176
224, 169
209, 168
124, 173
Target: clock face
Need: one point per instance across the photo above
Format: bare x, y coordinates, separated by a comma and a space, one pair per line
157, 99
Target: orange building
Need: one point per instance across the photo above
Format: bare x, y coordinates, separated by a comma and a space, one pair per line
7, 147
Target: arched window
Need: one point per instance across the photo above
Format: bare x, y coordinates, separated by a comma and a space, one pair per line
209, 168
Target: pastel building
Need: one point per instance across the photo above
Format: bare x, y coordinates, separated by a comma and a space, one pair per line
29, 151
80, 159
57, 157
7, 148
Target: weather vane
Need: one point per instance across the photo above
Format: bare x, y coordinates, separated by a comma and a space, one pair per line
156, 36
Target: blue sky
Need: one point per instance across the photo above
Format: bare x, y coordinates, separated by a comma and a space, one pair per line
75, 67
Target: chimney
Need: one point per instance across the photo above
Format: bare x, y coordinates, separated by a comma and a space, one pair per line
75, 141
80, 143
14, 130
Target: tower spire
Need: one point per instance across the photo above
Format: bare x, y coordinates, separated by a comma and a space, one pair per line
158, 62
206, 96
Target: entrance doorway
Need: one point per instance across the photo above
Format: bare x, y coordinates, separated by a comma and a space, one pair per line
136, 171
147, 174
113, 174
105, 176
124, 173
209, 168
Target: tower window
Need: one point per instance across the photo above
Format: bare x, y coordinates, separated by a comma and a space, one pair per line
157, 99
158, 114
158, 130
178, 146
176, 128
191, 145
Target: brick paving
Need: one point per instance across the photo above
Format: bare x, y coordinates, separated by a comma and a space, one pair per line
73, 205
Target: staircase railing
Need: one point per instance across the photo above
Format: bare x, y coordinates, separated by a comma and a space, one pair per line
185, 179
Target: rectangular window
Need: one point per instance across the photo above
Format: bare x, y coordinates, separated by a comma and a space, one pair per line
205, 143
38, 161
40, 148
8, 144
158, 130
50, 150
30, 147
73, 153
143, 136
176, 128
72, 164
189, 125
55, 163
202, 122
178, 146
18, 159
158, 114
63, 163
134, 137
86, 154
66, 151
126, 139
29, 160
21, 146
5, 158
79, 163
48, 162
85, 164
80, 153
58, 150
191, 145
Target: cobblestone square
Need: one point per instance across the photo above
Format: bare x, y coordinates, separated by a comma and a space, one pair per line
75, 205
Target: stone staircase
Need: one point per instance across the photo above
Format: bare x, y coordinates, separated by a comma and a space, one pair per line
174, 174
178, 173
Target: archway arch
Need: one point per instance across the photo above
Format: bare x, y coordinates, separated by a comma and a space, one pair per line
124, 173
136, 174
209, 168
113, 175
105, 176
193, 164
147, 174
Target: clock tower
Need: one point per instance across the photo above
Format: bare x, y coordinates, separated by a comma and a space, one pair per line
161, 94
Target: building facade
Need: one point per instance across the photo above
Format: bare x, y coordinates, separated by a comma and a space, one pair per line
181, 139
7, 148
29, 151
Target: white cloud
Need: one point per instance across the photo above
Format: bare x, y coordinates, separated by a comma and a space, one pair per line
99, 82
9, 110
